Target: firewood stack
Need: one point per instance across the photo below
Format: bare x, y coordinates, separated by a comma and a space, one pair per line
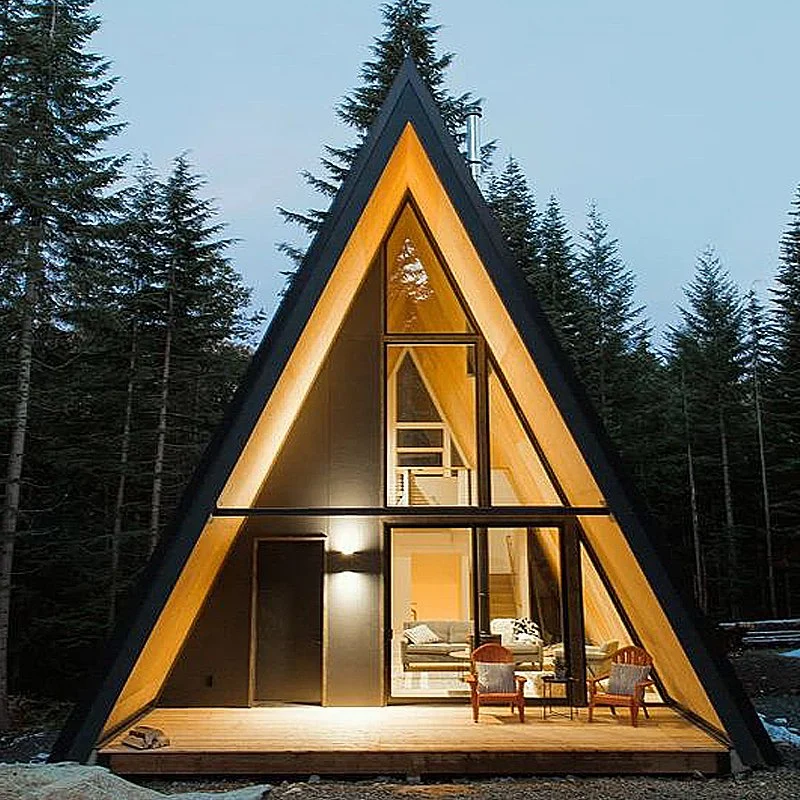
144, 737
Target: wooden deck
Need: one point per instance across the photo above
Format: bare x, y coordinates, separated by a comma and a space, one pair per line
303, 740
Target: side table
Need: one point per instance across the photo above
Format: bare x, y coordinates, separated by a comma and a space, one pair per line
548, 681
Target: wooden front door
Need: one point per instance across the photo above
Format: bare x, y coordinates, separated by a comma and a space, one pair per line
288, 621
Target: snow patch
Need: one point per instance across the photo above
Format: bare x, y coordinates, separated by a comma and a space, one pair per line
781, 733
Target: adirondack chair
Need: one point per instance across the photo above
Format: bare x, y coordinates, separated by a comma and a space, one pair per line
481, 695
625, 683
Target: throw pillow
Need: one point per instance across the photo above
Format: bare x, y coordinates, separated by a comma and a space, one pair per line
505, 627
421, 634
495, 678
525, 630
624, 678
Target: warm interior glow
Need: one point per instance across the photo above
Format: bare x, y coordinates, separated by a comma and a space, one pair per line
432, 579
431, 444
518, 474
420, 298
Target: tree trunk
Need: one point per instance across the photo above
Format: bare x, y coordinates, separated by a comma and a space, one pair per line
16, 455
730, 533
124, 450
161, 435
773, 599
699, 573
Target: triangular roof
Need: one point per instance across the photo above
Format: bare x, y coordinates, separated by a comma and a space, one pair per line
409, 121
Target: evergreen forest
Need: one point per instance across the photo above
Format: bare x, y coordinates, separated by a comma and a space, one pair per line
125, 327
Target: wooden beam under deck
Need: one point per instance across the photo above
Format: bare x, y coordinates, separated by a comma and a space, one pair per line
298, 740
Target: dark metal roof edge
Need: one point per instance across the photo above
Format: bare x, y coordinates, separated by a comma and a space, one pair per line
409, 101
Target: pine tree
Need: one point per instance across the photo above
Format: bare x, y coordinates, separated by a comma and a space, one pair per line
709, 351
407, 30
56, 113
785, 405
200, 316
559, 289
611, 327
514, 208
758, 361
141, 251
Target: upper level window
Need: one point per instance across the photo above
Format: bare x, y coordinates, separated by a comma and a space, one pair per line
431, 446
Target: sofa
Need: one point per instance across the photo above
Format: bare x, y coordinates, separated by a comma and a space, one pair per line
598, 656
455, 636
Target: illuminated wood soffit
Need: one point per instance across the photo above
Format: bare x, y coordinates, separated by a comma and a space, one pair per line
409, 169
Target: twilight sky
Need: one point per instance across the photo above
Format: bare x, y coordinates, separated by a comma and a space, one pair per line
680, 119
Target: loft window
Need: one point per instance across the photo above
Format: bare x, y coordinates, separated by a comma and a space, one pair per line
431, 418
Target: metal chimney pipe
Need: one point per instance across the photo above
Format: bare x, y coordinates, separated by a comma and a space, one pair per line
473, 115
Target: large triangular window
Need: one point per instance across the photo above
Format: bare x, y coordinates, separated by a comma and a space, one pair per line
420, 297
440, 385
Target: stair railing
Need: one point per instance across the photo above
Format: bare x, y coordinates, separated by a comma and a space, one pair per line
512, 566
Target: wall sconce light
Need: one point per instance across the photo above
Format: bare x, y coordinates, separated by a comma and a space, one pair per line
355, 561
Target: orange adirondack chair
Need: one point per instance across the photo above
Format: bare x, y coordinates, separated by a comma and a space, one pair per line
495, 654
634, 699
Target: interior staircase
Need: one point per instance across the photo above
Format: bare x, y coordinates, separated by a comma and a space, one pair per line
501, 595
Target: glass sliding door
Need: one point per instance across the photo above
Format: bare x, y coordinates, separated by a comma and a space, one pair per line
525, 599
431, 611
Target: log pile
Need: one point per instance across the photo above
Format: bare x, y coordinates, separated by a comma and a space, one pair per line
774, 633
144, 737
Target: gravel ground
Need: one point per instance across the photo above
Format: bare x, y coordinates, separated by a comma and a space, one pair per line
778, 784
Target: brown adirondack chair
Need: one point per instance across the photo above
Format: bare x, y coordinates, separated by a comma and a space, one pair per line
495, 654
634, 700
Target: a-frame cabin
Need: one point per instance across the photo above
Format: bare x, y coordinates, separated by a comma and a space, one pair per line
408, 450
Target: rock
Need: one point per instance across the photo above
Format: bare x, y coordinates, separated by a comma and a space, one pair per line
314, 779
414, 780
67, 782
246, 793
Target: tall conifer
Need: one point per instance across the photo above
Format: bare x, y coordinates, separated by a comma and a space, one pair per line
559, 289
709, 349
759, 352
56, 113
201, 304
785, 406
512, 202
611, 327
407, 30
